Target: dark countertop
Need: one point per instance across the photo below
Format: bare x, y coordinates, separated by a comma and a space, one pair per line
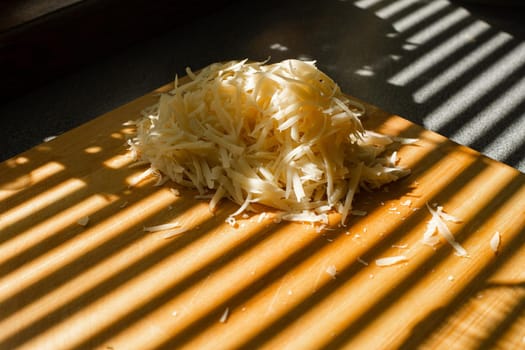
457, 68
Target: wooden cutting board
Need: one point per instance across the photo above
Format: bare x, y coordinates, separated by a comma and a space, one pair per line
111, 285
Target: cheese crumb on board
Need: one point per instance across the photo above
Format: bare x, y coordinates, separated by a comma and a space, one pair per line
282, 135
332, 271
406, 203
83, 221
495, 241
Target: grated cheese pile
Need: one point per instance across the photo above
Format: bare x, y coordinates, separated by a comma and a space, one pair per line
282, 135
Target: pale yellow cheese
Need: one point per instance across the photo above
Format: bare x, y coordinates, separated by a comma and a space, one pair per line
282, 135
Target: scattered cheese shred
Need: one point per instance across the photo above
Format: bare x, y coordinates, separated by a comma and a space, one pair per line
406, 203
49, 138
83, 221
332, 271
360, 260
391, 260
429, 237
282, 135
224, 316
495, 241
437, 223
162, 227
446, 216
400, 246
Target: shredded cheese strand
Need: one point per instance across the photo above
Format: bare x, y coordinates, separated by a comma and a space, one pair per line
444, 231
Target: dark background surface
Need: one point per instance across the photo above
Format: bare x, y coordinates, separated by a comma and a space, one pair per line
455, 67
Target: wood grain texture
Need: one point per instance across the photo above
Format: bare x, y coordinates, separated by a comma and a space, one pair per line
111, 285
